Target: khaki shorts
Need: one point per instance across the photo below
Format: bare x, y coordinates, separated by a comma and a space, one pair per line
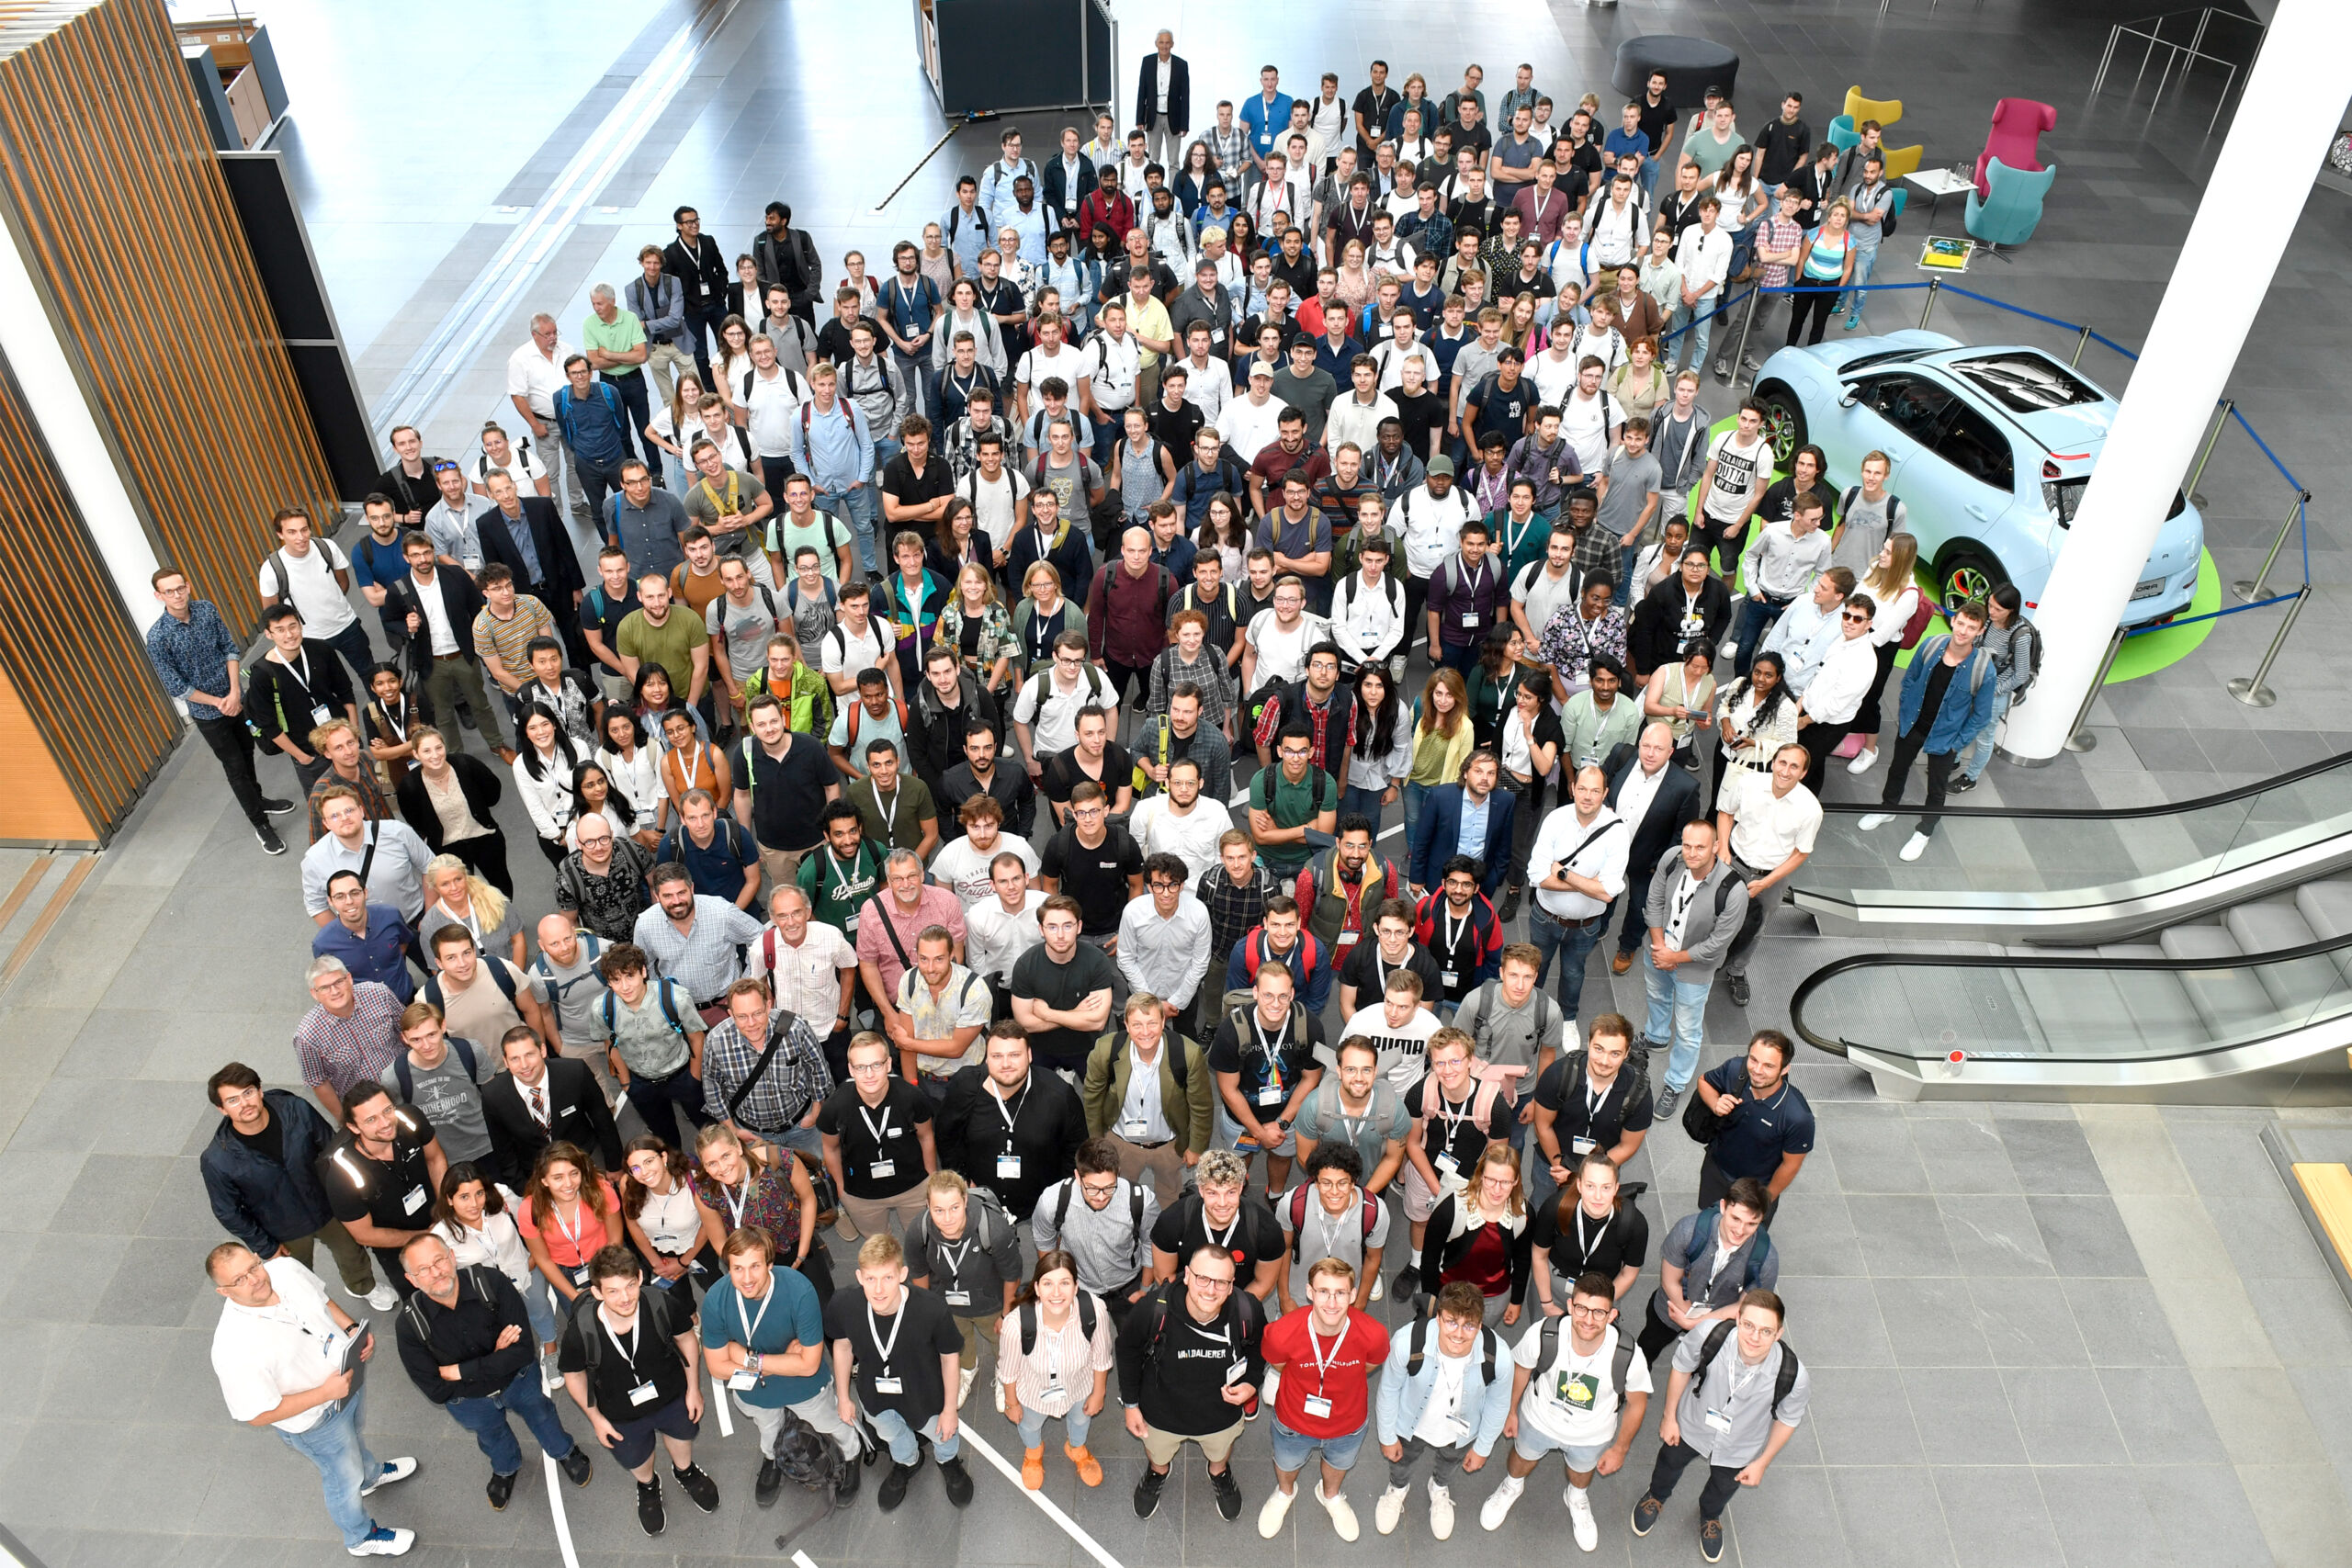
1160, 1447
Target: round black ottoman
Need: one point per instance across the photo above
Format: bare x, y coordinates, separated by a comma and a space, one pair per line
1691, 66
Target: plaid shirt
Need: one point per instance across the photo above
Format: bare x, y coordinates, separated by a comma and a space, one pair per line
193, 655
1777, 234
707, 956
1230, 152
1318, 720
1233, 911
796, 1080
341, 1051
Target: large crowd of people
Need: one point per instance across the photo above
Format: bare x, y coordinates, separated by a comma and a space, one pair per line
1049, 723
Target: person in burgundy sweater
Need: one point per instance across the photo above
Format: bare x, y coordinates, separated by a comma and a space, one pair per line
1126, 610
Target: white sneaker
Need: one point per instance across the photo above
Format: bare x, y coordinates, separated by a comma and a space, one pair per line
1728, 652
1379, 1287
964, 1385
1441, 1511
1496, 1508
1872, 821
997, 1385
1271, 1517
1580, 1517
385, 1542
1389, 1512
1864, 762
1914, 846
394, 1469
1344, 1513
383, 1298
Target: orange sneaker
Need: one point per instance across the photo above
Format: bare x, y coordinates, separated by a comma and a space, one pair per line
1033, 1469
1089, 1469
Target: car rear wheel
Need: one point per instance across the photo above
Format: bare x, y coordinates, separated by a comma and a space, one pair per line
1783, 425
1968, 573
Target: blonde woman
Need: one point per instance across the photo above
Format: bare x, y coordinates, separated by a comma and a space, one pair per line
1520, 329
676, 426
1443, 737
976, 624
1892, 589
1356, 284
1043, 615
456, 896
1480, 1233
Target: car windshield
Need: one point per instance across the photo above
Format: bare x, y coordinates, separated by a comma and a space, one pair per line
2065, 498
2026, 383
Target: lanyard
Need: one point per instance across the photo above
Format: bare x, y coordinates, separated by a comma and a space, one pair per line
1141, 1077
883, 1346
393, 722
1584, 1247
1273, 1051
635, 1336
1451, 930
735, 1207
1352, 1127
1012, 1115
877, 1133
954, 1256
1738, 1383
1315, 1347
1452, 1117
302, 680
572, 1232
841, 878
1684, 891
1593, 1101
752, 1324
889, 816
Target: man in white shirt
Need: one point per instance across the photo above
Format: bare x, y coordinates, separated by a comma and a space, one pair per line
1730, 487
1577, 1396
1578, 869
999, 930
1542, 586
1592, 419
966, 863
1368, 611
1703, 257
278, 1351
1276, 645
1768, 821
1554, 371
1164, 936
1430, 521
1051, 358
1251, 424
1181, 821
768, 407
1045, 716
1404, 344
1779, 566
812, 968
534, 373
1831, 701
857, 642
1808, 629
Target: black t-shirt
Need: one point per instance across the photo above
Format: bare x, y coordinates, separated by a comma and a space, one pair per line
1177, 1369
1269, 1064
900, 482
874, 1137
1097, 878
1657, 119
1453, 1129
294, 699
1365, 970
1502, 409
1174, 428
789, 796
1420, 412
1580, 1116
1255, 1237
269, 1143
1586, 1244
1938, 681
1577, 165
627, 1361
1036, 977
1780, 504
833, 341
608, 624
396, 1193
1478, 138
917, 1333
1063, 774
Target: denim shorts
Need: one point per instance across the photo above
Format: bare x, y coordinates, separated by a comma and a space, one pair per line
1291, 1448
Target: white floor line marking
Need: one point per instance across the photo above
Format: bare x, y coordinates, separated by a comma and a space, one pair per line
1070, 1526
555, 1506
719, 1399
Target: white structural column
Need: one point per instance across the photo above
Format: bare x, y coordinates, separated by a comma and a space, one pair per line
2294, 98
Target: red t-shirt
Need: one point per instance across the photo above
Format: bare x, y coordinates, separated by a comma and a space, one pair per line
1292, 1344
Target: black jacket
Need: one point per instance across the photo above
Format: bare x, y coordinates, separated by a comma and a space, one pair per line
431, 1336
278, 703
476, 781
1179, 92
560, 578
262, 1204
794, 263
1674, 807
1046, 1133
458, 596
935, 733
576, 1110
1656, 636
702, 275
1053, 193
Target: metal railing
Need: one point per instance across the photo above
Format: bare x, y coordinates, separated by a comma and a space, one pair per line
2184, 55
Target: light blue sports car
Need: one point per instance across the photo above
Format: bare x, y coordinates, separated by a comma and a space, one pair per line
1992, 448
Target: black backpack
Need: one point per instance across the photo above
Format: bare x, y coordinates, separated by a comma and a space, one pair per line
1135, 1219
1370, 1211
816, 1463
465, 1054
1025, 1314
1783, 1380
1417, 1343
1548, 1346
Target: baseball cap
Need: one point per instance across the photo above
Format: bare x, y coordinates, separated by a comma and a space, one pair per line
1440, 466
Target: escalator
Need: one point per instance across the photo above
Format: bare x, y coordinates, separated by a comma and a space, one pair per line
2199, 952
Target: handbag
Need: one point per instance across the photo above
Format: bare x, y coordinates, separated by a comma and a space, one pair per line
1703, 1125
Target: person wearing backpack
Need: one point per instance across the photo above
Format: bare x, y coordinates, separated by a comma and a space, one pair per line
466, 1342
1109, 1233
627, 1357
1442, 1398
1706, 1416
2015, 645
1189, 1361
1044, 1370
763, 1337
443, 1076
1323, 1405
1147, 1091
1581, 1392
1329, 1215
965, 1247
1708, 1259
653, 1040
1590, 1101
1951, 694
1593, 1227
1696, 906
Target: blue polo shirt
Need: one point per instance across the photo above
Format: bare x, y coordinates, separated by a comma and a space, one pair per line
792, 1313
1760, 1131
379, 954
1619, 142
718, 870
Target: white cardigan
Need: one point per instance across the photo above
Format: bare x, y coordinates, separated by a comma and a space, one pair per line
549, 800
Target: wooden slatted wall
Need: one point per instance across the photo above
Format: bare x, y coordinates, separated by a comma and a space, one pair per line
130, 232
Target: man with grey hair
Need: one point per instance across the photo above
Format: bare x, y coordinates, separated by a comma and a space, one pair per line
893, 922
615, 342
349, 1037
533, 374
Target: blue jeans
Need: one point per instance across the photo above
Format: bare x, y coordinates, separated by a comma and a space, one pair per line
1074, 1426
857, 510
1572, 941
344, 1463
900, 1438
1692, 343
915, 372
494, 1434
1678, 1006
1367, 800
1752, 622
1416, 797
1972, 765
1865, 263
1292, 1450
352, 644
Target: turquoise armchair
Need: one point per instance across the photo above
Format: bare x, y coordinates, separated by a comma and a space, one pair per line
2010, 214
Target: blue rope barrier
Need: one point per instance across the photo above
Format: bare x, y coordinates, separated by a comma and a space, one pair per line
2267, 452
2210, 615
1721, 310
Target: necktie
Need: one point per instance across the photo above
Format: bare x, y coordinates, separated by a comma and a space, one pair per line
538, 1105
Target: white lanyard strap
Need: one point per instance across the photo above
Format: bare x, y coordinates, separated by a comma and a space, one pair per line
883, 1346
878, 1134
1315, 1347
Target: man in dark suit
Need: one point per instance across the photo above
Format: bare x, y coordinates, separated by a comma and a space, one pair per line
1658, 799
437, 604
1437, 836
1164, 101
527, 534
694, 259
541, 1100
1069, 178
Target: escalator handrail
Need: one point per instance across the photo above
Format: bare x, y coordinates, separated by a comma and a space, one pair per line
1832, 970
2118, 812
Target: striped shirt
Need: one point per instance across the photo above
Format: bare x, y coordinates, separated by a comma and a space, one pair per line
506, 640
706, 957
341, 1051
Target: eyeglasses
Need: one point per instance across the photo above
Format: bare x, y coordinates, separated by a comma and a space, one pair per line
1581, 1310
1208, 1281
862, 1068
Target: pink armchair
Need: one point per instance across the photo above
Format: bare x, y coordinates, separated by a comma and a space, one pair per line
2014, 140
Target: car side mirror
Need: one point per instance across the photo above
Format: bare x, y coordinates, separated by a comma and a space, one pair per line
1850, 397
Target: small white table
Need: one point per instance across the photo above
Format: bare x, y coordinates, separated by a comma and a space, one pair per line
1940, 184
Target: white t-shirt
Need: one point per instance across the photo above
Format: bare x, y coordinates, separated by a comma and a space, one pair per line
1250, 428
848, 652
1282, 655
1542, 596
1736, 470
995, 938
1554, 376
772, 403
311, 585
1574, 1400
1070, 364
993, 505
1584, 423
962, 866
522, 464
1404, 1053
1441, 1425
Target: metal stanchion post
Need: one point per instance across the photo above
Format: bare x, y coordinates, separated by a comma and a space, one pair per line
1935, 285
2081, 739
2250, 689
2082, 342
2220, 419
2251, 590
1739, 355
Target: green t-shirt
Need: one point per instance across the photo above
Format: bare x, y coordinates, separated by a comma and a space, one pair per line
1528, 546
670, 645
838, 890
624, 332
823, 530
1292, 806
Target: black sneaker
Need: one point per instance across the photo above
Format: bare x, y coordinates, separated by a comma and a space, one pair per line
501, 1488
1147, 1489
1645, 1513
576, 1468
1409, 1284
1962, 784
770, 1481
648, 1507
1711, 1540
1511, 903
1737, 986
271, 844
893, 1490
273, 806
700, 1489
847, 1487
1668, 1099
1228, 1493
958, 1481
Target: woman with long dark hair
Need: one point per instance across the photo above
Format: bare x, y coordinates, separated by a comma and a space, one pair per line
1756, 715
1383, 754
1054, 1357
675, 1233
543, 774
569, 1214
1443, 737
1501, 668
475, 1217
595, 793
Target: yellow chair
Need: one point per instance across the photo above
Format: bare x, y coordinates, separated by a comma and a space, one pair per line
1902, 160
1887, 111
